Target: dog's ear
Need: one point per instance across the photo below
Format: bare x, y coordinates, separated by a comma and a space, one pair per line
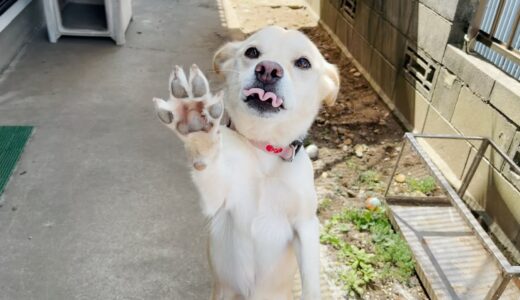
224, 55
331, 84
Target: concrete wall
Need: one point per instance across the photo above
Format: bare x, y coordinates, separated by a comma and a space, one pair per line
16, 34
410, 52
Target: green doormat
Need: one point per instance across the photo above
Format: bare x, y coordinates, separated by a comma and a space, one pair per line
12, 142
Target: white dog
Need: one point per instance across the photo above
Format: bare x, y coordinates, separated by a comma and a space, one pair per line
257, 188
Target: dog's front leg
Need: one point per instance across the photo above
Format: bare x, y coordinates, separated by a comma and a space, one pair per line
308, 254
194, 114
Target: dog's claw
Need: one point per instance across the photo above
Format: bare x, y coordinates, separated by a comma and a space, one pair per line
199, 166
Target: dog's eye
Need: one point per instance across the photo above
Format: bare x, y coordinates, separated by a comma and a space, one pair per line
302, 63
252, 53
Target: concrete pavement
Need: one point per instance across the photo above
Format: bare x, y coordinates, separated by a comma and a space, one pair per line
101, 205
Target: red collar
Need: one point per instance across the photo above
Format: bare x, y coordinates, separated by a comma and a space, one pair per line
286, 153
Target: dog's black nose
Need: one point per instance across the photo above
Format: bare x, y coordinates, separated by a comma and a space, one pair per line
268, 72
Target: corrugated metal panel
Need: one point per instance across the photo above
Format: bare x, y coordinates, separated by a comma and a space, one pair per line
504, 29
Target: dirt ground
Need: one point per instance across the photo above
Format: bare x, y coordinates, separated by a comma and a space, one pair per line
358, 134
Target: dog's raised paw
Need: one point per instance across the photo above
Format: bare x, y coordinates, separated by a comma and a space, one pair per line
191, 107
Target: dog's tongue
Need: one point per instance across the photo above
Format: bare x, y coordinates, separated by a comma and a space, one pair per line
263, 95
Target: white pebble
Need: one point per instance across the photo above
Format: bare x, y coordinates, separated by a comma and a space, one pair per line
312, 151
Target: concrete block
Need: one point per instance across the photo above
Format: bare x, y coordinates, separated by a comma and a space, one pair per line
410, 103
446, 93
336, 3
390, 42
430, 31
449, 155
383, 73
399, 13
370, 3
460, 10
341, 29
476, 73
366, 22
361, 50
329, 14
446, 9
21, 29
503, 204
513, 177
506, 97
474, 117
499, 198
316, 5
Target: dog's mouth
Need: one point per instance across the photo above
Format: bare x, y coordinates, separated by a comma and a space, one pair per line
262, 100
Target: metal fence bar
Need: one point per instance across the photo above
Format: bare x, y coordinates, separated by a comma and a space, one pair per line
473, 168
498, 287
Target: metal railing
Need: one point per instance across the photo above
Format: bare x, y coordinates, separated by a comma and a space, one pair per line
507, 270
494, 34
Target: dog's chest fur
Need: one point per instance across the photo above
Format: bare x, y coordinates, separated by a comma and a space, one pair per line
251, 231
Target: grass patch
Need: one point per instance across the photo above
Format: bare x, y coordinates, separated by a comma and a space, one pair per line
425, 185
369, 178
391, 257
324, 205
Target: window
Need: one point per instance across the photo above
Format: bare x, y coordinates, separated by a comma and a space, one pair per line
494, 34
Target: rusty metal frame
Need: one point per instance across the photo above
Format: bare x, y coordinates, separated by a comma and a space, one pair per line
508, 271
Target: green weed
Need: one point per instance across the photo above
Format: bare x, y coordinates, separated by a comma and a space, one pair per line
324, 204
369, 178
425, 185
392, 258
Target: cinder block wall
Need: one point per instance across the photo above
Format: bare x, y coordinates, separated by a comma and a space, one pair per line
16, 34
410, 51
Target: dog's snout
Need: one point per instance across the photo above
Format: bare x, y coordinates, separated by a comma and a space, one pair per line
268, 72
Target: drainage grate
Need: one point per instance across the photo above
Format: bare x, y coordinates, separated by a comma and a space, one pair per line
349, 7
420, 70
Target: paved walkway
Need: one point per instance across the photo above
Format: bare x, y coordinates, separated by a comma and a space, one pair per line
101, 205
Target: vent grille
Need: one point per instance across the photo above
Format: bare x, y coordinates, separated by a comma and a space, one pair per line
349, 8
516, 157
420, 70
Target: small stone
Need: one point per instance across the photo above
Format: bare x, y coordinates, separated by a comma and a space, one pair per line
344, 148
313, 151
360, 149
324, 175
357, 74
347, 142
400, 178
351, 193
